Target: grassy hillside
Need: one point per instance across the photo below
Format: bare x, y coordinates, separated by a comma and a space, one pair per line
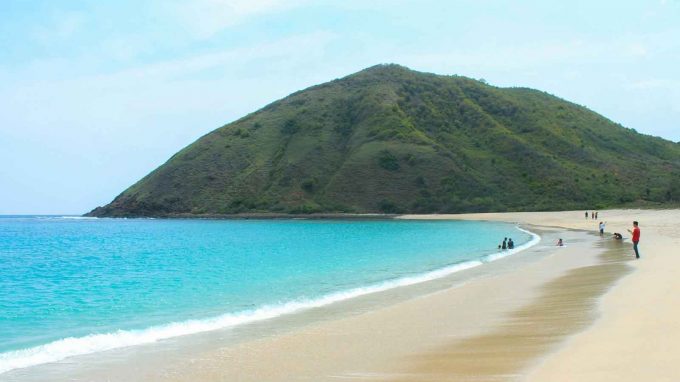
389, 139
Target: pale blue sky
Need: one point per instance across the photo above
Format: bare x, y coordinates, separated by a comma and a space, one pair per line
94, 94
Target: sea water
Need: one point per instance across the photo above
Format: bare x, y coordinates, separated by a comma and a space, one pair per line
71, 286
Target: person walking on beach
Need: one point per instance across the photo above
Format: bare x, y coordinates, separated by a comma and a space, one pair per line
636, 238
602, 224
596, 213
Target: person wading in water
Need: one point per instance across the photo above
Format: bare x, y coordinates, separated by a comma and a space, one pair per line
636, 238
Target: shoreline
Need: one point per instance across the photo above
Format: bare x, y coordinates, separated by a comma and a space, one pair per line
347, 215
636, 336
564, 307
229, 321
476, 318
389, 344
380, 331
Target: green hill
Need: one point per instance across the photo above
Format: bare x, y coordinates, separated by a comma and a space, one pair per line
389, 139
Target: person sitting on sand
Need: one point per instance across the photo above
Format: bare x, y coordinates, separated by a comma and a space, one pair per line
618, 236
560, 243
511, 244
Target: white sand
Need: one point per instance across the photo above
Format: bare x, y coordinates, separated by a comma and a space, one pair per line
637, 337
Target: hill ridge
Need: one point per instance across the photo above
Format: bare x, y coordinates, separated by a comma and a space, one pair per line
388, 139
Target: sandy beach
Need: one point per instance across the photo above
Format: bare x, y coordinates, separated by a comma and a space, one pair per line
584, 312
637, 333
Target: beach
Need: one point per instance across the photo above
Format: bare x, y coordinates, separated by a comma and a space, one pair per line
636, 334
587, 311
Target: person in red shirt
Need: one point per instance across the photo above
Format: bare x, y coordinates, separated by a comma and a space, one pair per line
636, 238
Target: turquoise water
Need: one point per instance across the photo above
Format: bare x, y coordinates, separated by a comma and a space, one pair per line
71, 286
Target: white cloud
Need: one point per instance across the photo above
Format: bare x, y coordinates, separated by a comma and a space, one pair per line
223, 84
637, 49
63, 26
204, 18
522, 56
656, 83
285, 48
103, 132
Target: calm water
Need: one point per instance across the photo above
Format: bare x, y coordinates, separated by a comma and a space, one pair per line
73, 286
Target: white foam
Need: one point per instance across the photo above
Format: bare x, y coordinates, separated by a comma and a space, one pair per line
64, 217
74, 346
535, 239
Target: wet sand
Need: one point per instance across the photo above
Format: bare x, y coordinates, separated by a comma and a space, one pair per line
565, 305
636, 336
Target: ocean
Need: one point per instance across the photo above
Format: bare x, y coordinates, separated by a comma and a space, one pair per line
71, 286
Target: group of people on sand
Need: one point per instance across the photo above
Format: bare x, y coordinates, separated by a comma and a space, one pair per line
593, 215
506, 244
635, 232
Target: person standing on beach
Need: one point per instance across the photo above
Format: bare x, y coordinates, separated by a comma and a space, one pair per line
596, 213
636, 238
586, 214
505, 243
511, 244
602, 228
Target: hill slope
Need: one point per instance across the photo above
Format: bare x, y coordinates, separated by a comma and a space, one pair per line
389, 139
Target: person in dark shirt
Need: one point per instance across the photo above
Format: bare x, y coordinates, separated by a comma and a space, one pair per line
505, 243
511, 244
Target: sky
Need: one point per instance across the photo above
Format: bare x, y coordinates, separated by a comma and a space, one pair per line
96, 94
